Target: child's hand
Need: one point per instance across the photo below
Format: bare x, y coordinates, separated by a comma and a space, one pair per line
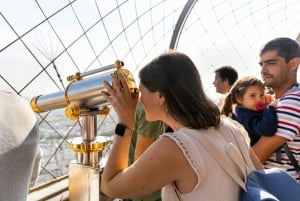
274, 102
268, 98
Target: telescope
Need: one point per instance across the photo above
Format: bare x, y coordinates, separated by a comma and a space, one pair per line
83, 94
82, 100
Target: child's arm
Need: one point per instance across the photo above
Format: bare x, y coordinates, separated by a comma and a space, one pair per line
267, 125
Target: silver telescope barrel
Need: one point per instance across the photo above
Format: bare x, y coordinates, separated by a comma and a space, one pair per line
84, 93
79, 76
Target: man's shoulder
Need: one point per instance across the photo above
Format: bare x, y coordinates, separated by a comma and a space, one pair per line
291, 95
293, 91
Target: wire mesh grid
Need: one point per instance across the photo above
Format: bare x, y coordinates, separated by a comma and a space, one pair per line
44, 42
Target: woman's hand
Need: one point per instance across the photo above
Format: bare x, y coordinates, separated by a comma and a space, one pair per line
121, 99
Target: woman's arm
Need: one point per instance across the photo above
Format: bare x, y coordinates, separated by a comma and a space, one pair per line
142, 144
161, 164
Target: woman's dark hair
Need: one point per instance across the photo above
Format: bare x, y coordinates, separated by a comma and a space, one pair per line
237, 91
175, 76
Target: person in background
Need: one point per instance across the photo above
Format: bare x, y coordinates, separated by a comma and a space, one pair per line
247, 104
279, 61
144, 134
225, 76
19, 139
172, 92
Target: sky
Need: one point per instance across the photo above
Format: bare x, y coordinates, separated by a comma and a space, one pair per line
84, 35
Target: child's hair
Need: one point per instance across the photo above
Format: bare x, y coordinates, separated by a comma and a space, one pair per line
238, 90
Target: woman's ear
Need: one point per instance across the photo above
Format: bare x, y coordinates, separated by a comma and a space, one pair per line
160, 98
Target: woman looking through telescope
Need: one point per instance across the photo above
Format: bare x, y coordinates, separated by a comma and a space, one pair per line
171, 91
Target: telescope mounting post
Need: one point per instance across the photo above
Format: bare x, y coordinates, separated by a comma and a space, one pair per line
84, 172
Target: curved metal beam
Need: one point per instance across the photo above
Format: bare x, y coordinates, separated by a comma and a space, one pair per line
180, 23
298, 38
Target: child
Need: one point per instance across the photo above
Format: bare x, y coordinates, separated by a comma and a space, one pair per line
248, 99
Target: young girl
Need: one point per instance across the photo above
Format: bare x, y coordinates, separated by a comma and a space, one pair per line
248, 99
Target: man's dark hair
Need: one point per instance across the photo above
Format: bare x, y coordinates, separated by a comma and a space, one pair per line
285, 47
227, 72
